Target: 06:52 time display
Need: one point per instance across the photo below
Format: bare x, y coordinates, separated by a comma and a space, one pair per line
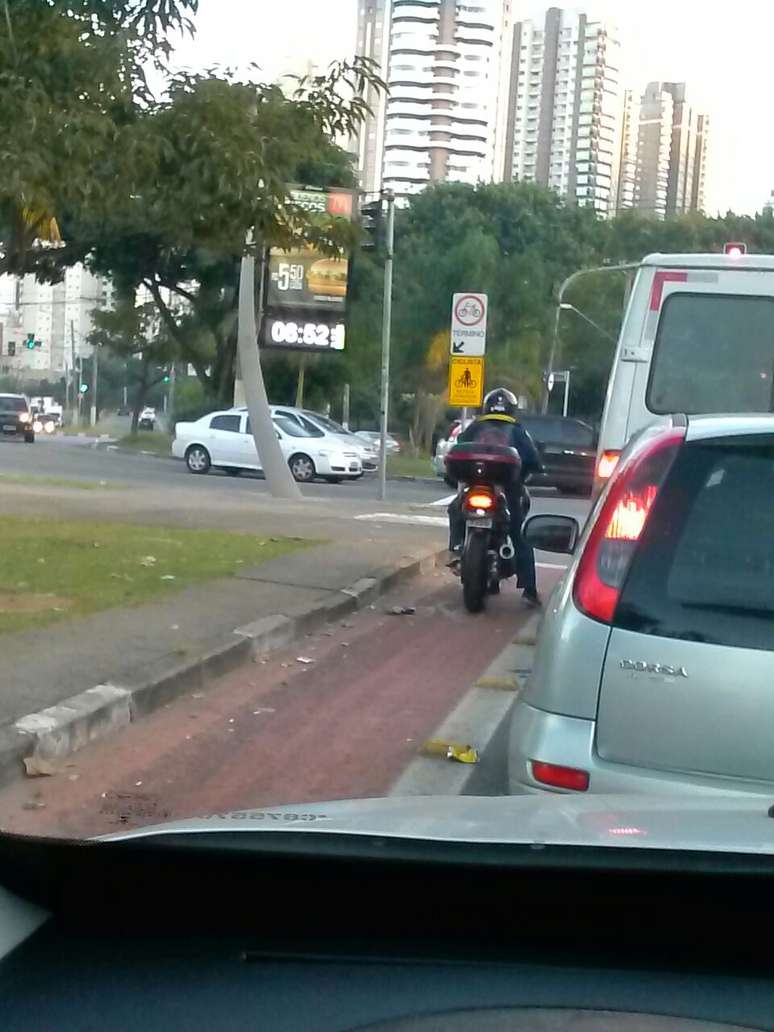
319, 335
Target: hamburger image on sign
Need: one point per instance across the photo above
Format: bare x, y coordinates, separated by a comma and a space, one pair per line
328, 276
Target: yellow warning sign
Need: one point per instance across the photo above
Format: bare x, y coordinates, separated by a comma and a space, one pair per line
466, 381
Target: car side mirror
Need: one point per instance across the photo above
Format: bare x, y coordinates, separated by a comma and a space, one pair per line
552, 533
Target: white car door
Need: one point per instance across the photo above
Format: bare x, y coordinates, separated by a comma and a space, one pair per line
224, 439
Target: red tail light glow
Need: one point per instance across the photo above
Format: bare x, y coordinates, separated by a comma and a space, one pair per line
560, 777
610, 547
479, 498
608, 460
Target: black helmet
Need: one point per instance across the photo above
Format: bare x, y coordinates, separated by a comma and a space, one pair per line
501, 402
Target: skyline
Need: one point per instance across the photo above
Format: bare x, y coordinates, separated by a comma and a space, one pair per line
725, 64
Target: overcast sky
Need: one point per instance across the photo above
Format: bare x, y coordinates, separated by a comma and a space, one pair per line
726, 59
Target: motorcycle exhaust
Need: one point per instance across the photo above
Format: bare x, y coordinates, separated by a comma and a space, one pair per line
507, 551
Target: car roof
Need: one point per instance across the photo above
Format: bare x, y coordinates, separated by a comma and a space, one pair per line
10, 394
711, 261
729, 425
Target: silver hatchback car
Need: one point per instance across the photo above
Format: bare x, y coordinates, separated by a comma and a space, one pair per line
654, 668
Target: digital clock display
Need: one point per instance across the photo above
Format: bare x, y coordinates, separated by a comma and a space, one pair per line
297, 333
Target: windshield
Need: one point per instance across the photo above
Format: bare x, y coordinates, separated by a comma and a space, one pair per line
10, 404
242, 245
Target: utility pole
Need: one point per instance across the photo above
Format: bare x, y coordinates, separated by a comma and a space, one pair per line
170, 399
76, 392
389, 197
94, 379
300, 381
345, 408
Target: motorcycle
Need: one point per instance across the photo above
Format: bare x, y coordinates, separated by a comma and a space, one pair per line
482, 472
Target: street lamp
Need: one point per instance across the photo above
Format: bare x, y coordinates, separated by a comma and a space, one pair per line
626, 267
567, 307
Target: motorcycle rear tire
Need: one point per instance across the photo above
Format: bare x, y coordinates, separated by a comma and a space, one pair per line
473, 571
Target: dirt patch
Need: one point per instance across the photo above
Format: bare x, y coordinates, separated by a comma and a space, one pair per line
31, 602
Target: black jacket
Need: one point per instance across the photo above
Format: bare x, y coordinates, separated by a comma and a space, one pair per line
505, 430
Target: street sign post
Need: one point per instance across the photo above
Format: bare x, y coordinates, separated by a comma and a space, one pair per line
468, 324
466, 381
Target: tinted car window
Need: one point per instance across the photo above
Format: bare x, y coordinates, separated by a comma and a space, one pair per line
713, 353
538, 427
703, 571
230, 423
575, 433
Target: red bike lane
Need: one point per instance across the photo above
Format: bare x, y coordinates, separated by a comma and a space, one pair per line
281, 730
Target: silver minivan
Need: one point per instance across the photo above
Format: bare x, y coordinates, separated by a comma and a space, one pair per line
654, 667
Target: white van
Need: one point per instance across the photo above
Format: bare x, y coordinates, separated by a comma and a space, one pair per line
697, 337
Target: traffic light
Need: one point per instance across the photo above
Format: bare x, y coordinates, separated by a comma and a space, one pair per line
166, 377
83, 388
372, 225
11, 348
29, 342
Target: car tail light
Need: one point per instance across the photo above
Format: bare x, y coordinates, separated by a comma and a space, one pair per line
479, 498
608, 460
560, 777
613, 540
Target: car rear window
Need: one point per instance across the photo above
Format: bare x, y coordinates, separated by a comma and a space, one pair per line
713, 353
704, 570
579, 435
10, 404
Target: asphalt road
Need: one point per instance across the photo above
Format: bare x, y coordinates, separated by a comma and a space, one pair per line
69, 458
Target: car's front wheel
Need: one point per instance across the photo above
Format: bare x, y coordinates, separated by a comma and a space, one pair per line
302, 468
197, 458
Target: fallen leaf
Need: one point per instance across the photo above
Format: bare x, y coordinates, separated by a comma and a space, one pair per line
138, 783
73, 777
304, 659
37, 767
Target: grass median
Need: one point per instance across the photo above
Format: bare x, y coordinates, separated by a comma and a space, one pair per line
54, 570
148, 440
409, 466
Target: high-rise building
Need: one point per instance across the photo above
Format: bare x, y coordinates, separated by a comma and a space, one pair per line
58, 316
669, 174
564, 112
444, 116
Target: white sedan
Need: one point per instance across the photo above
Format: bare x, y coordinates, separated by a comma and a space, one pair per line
224, 440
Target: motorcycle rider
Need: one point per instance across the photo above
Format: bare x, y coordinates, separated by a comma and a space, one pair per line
499, 424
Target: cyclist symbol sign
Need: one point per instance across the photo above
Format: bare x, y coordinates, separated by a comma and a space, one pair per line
466, 381
468, 324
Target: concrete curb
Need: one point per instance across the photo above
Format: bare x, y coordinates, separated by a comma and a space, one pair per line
58, 731
480, 719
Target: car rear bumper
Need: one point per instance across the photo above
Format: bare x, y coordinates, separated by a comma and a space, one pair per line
569, 742
563, 479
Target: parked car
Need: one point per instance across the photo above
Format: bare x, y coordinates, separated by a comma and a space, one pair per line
438, 463
374, 437
368, 453
568, 450
655, 660
16, 417
224, 440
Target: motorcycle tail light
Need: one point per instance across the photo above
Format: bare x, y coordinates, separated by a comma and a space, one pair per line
479, 498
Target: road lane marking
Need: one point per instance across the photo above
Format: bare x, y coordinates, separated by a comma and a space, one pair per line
397, 517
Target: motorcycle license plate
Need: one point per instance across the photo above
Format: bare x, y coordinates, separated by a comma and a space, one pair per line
480, 521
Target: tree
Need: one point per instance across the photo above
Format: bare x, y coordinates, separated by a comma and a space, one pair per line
72, 77
212, 160
134, 333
